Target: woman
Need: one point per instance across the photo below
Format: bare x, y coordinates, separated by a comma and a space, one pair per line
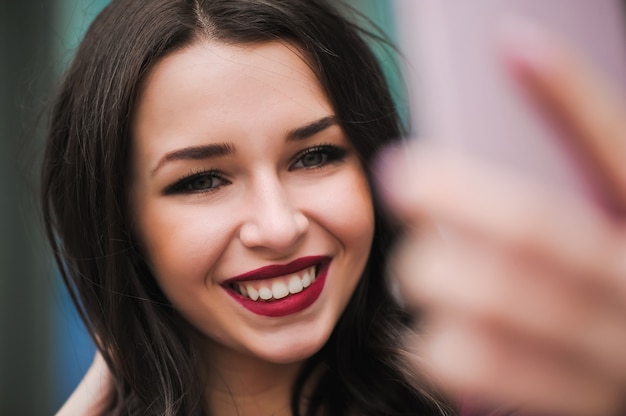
206, 196
200, 149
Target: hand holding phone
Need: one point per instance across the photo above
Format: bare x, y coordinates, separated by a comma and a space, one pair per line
519, 278
466, 96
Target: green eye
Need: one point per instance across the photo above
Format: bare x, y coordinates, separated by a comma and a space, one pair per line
201, 183
313, 159
197, 183
318, 156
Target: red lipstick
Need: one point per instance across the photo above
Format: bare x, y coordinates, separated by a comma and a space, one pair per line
292, 303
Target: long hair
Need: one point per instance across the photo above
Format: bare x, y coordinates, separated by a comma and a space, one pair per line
85, 205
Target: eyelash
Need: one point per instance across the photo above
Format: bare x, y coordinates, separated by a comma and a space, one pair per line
331, 152
183, 185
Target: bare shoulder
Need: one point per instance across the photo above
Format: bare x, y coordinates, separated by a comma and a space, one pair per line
89, 396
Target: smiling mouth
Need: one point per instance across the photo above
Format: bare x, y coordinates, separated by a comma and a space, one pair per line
278, 290
268, 290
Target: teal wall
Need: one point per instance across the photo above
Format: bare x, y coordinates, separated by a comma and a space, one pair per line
43, 347
381, 13
25, 284
37, 326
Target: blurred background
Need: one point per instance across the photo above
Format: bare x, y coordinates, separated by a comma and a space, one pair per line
43, 347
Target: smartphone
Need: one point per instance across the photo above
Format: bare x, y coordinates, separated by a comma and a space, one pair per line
462, 95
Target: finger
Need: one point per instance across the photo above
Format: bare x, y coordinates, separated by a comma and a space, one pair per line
575, 93
464, 358
508, 295
504, 208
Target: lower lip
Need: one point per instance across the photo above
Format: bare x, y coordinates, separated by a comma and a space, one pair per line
290, 304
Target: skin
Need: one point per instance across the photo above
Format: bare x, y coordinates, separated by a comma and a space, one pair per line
523, 290
510, 245
267, 205
89, 396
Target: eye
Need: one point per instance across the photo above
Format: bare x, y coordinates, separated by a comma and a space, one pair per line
318, 156
313, 159
198, 182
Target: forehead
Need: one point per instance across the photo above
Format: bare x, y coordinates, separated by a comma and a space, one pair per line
224, 71
231, 88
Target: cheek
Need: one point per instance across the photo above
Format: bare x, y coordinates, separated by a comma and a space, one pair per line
348, 212
348, 215
181, 244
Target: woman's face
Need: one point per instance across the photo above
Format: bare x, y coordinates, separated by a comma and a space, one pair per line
249, 201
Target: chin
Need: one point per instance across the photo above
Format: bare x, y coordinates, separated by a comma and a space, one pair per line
292, 349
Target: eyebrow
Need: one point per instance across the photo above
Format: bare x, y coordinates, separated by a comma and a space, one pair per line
196, 153
311, 129
227, 149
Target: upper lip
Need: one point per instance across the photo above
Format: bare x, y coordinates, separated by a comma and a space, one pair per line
275, 270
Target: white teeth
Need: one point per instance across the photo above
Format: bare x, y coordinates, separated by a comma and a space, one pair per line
295, 284
265, 293
279, 290
306, 280
252, 293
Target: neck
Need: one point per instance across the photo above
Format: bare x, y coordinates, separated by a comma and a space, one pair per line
242, 385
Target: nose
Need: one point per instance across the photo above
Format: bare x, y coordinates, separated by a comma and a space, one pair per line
273, 222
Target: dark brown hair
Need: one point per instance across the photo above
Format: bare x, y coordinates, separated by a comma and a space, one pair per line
85, 209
